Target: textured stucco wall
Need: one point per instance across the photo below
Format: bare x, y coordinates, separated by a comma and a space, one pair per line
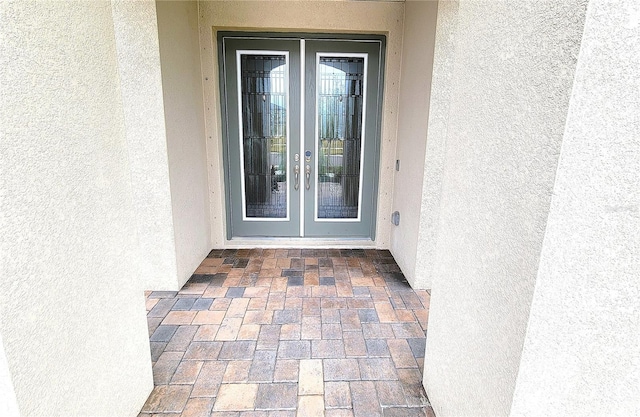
512, 76
438, 119
415, 90
8, 401
71, 305
582, 350
136, 33
303, 16
186, 145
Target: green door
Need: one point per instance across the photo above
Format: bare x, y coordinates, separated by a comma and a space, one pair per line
301, 162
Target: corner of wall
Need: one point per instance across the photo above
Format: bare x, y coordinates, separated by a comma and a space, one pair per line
492, 206
185, 131
434, 164
70, 298
8, 401
413, 114
580, 354
137, 46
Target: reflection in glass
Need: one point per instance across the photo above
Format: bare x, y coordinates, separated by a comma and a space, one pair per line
340, 112
263, 85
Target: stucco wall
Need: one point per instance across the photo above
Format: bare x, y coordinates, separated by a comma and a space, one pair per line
512, 76
186, 145
438, 119
302, 16
582, 350
415, 90
8, 402
71, 305
136, 32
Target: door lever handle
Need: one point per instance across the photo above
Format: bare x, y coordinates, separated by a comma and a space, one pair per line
307, 175
296, 185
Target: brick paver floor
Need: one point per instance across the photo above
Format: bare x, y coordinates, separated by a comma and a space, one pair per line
289, 332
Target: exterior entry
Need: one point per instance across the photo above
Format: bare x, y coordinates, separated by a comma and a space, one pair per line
301, 126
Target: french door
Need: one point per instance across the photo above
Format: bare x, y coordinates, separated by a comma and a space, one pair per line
301, 125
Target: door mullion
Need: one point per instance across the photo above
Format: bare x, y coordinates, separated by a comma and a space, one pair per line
302, 141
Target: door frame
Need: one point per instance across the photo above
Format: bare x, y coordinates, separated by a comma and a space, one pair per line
375, 137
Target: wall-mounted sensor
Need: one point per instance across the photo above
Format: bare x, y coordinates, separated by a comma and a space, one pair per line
395, 218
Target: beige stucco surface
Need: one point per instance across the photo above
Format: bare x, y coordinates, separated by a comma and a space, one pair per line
71, 305
582, 351
415, 90
184, 119
512, 77
136, 34
305, 16
8, 402
433, 164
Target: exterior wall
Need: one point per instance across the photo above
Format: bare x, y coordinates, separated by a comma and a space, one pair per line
136, 32
186, 146
415, 90
582, 351
71, 306
304, 16
8, 402
513, 71
438, 117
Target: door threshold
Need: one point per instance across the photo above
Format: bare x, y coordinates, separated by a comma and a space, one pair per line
320, 243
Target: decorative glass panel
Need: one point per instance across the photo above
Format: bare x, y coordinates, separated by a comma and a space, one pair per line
340, 113
263, 87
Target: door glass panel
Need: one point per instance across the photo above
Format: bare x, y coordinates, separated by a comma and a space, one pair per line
263, 86
340, 113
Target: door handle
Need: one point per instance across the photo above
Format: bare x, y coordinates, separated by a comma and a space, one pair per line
296, 185
307, 175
